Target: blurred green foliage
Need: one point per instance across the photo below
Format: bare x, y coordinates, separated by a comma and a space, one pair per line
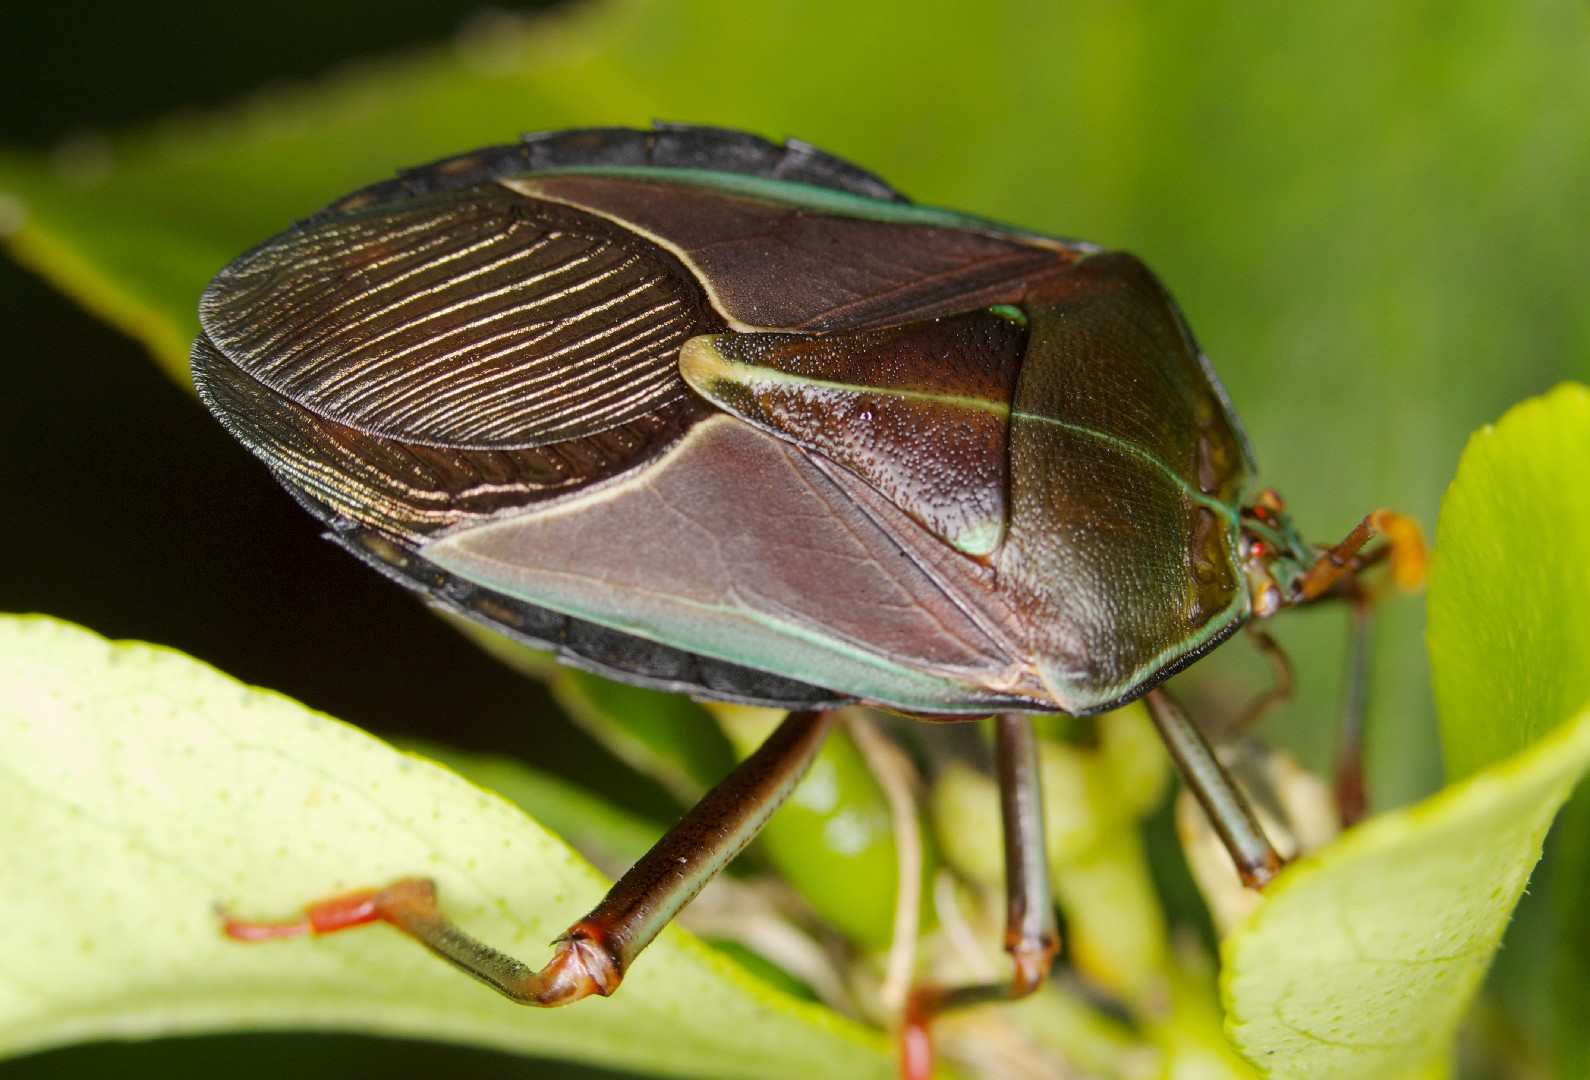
1370, 212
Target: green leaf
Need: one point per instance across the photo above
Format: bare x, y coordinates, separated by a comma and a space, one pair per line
597, 829
665, 736
1510, 646
1364, 956
1510, 582
143, 788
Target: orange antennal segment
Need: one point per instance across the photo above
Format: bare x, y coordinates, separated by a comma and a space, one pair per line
1404, 541
1410, 559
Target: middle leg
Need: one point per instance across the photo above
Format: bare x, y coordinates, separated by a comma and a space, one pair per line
1031, 936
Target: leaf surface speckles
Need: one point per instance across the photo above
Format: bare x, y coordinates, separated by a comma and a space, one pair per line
1364, 956
145, 788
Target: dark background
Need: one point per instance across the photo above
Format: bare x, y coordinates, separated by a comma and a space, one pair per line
210, 557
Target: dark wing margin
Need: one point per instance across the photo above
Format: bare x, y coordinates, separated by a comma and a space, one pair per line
665, 146
686, 146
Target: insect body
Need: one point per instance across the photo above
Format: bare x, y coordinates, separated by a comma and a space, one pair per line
715, 415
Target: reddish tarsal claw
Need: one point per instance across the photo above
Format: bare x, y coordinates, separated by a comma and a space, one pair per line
323, 917
579, 968
917, 1053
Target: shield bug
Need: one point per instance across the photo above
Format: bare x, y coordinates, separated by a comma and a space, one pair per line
735, 419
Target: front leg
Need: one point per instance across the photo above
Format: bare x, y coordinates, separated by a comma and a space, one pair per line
592, 955
1227, 808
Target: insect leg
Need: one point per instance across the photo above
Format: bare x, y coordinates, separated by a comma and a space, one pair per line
1335, 575
1214, 789
1351, 801
1403, 539
1031, 937
593, 954
1281, 673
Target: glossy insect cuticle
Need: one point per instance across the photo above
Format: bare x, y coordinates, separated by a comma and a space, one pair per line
720, 416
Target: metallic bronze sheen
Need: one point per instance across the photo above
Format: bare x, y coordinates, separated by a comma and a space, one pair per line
776, 266
919, 411
1122, 561
951, 467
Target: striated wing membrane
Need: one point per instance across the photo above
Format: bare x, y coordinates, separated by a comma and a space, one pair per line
469, 319
920, 411
1126, 476
410, 489
778, 257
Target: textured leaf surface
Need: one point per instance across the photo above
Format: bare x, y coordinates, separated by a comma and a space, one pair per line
603, 833
142, 788
1510, 648
1510, 584
1364, 957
